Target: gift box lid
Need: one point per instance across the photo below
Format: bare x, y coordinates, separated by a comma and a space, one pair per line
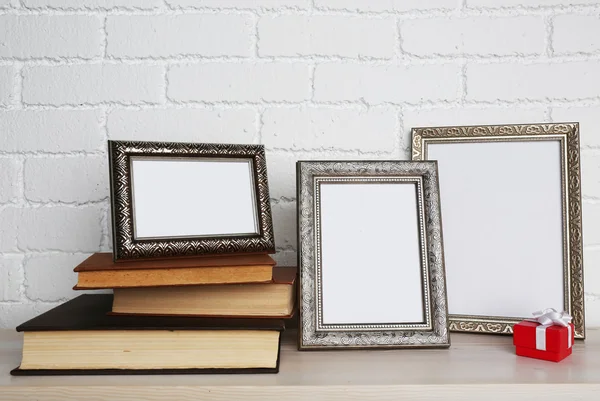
524, 335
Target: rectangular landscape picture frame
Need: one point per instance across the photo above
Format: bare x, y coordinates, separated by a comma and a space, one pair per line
384, 212
184, 168
542, 161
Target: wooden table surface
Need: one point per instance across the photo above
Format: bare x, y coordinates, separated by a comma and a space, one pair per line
476, 367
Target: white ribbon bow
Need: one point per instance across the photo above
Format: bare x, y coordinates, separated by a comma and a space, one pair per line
550, 317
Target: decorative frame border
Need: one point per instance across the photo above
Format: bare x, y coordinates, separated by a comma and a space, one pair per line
320, 326
126, 247
313, 334
568, 135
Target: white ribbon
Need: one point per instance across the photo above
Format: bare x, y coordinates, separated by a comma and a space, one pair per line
546, 318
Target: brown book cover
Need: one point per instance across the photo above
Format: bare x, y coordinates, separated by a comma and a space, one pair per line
89, 312
99, 271
285, 275
104, 261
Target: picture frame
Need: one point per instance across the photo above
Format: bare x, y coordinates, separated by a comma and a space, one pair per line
512, 214
370, 256
172, 199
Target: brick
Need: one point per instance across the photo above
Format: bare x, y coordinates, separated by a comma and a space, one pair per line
326, 35
378, 84
93, 4
12, 315
93, 84
241, 4
7, 79
281, 168
525, 3
455, 116
9, 220
284, 224
51, 277
322, 129
11, 277
171, 35
9, 178
386, 5
588, 119
576, 33
71, 179
50, 130
592, 311
591, 215
540, 81
474, 36
590, 174
31, 36
183, 125
60, 228
591, 264
239, 82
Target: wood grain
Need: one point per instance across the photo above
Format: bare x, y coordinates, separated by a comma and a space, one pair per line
475, 368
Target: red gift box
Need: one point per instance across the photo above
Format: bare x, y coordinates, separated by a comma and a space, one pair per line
547, 342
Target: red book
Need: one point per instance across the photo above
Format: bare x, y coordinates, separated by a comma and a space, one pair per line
550, 343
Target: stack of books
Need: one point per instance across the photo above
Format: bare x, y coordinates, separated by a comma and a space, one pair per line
222, 314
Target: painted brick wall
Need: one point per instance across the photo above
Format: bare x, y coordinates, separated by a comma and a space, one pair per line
308, 78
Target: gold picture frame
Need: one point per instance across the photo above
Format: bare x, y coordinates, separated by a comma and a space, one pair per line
567, 135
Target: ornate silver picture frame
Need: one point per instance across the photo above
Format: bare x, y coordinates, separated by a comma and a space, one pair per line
188, 199
511, 201
370, 255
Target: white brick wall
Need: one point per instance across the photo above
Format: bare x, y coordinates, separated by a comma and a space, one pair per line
385, 5
37, 36
239, 82
88, 181
311, 79
92, 4
539, 81
93, 84
7, 78
376, 84
169, 35
330, 129
576, 34
9, 175
49, 277
50, 131
323, 35
241, 4
474, 36
184, 125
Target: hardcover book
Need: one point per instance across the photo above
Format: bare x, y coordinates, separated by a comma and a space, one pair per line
275, 299
100, 271
80, 338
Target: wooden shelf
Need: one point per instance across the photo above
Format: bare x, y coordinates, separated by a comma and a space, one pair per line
475, 368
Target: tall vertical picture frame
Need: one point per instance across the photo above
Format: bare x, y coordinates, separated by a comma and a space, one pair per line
371, 258
511, 203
